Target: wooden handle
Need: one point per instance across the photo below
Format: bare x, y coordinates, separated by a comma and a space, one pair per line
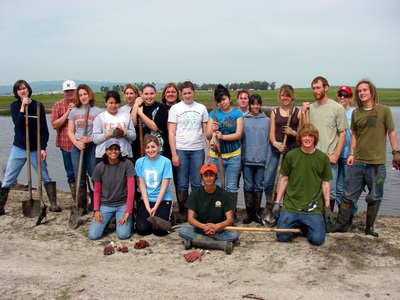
262, 229
220, 164
39, 161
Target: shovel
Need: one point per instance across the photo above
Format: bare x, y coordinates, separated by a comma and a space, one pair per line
43, 211
30, 208
76, 212
221, 167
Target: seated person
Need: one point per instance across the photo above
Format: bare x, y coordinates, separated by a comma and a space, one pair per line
210, 208
306, 173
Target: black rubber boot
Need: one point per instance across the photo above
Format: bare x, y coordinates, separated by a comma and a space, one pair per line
257, 197
72, 187
332, 205
372, 212
51, 191
343, 217
182, 214
82, 199
210, 244
248, 200
234, 197
3, 199
349, 225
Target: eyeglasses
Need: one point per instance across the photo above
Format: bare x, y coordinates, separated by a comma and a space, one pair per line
343, 96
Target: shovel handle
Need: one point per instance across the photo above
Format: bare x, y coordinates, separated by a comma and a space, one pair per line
39, 161
28, 152
220, 164
262, 229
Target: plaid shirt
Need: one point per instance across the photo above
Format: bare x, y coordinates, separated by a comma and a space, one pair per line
62, 140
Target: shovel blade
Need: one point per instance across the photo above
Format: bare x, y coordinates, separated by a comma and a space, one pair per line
160, 223
42, 215
31, 208
269, 220
76, 214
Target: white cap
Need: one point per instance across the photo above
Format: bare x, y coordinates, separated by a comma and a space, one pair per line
69, 85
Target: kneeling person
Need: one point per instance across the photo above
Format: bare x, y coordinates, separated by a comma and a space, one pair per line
210, 208
306, 173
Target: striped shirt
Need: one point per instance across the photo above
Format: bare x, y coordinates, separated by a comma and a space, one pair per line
62, 140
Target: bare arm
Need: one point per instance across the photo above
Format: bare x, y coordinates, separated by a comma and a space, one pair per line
60, 121
353, 143
235, 136
392, 139
272, 137
172, 143
163, 190
209, 129
282, 188
326, 192
335, 156
149, 122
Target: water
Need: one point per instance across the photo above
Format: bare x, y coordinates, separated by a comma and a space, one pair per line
390, 204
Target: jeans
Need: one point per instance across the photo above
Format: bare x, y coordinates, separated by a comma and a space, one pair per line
361, 175
333, 182
314, 224
108, 212
69, 168
15, 164
189, 169
89, 161
188, 232
253, 177
231, 167
343, 172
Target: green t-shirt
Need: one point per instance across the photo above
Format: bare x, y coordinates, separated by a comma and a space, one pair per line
371, 134
209, 208
306, 173
330, 119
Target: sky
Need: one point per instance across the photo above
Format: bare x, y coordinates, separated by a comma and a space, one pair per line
202, 41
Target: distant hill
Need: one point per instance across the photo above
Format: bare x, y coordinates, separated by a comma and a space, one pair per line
56, 85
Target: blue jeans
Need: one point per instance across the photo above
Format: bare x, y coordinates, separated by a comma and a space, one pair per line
188, 232
361, 175
333, 182
231, 167
314, 224
343, 172
189, 169
16, 162
108, 212
69, 168
89, 161
253, 177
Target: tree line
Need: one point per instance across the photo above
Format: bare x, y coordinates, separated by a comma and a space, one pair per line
251, 85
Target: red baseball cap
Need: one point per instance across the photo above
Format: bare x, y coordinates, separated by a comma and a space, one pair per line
346, 89
208, 167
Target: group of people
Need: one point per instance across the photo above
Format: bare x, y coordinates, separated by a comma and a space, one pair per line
132, 152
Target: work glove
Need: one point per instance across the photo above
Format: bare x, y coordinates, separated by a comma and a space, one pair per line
396, 159
192, 256
214, 143
289, 131
328, 214
109, 249
279, 146
276, 210
141, 244
112, 133
122, 248
120, 132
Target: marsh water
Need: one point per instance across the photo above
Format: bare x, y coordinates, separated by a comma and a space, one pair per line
390, 204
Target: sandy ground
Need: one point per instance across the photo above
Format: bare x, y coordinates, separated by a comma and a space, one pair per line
51, 262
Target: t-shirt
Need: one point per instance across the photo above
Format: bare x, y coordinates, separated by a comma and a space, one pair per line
189, 119
152, 173
371, 134
346, 148
126, 109
113, 181
306, 173
209, 208
330, 120
227, 125
159, 114
281, 121
78, 116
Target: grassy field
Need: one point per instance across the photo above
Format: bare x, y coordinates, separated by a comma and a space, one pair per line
270, 98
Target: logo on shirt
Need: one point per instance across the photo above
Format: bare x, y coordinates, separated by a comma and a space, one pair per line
218, 204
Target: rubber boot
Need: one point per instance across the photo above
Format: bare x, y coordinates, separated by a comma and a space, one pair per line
3, 199
182, 214
270, 221
343, 217
82, 199
248, 201
349, 225
257, 197
332, 205
72, 187
51, 191
210, 244
234, 197
372, 212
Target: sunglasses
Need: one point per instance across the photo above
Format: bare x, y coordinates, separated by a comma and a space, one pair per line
344, 96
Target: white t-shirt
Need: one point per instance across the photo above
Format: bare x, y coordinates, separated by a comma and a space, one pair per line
189, 120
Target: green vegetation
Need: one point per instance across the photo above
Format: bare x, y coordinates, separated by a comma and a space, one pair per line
389, 97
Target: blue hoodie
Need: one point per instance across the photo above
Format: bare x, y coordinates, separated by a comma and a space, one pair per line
256, 148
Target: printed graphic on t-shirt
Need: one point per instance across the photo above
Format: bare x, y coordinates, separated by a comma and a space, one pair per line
190, 119
151, 178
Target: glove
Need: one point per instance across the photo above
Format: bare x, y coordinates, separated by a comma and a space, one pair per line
122, 248
396, 159
289, 131
141, 244
279, 146
120, 132
214, 144
276, 210
328, 214
112, 133
109, 249
192, 256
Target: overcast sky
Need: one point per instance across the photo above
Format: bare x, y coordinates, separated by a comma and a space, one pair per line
203, 41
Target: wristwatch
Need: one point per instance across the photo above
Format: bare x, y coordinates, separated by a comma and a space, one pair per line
394, 151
